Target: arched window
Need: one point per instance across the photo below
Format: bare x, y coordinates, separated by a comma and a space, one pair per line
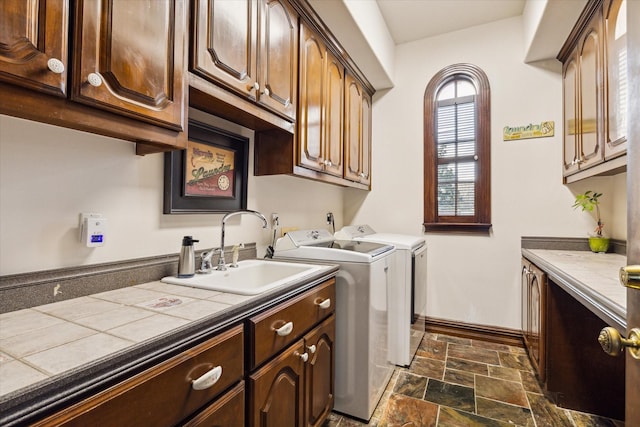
457, 150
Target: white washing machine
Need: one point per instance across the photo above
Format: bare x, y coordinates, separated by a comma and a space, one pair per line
362, 369
408, 301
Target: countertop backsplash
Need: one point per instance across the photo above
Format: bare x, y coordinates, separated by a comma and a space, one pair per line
27, 290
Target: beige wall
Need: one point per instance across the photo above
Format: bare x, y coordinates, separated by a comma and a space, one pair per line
48, 175
475, 279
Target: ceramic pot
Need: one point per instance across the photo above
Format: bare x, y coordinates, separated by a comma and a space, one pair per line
599, 244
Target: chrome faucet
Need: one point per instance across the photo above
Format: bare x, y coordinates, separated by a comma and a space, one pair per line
206, 257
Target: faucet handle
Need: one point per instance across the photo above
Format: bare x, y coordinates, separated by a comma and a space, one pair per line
206, 265
235, 254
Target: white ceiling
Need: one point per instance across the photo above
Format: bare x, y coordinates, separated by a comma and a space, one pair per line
410, 20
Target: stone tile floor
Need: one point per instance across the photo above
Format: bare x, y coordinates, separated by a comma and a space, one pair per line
458, 382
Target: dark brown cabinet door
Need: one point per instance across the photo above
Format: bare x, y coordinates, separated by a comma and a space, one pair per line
571, 118
334, 117
278, 57
321, 106
616, 78
319, 372
276, 391
590, 106
357, 132
224, 44
33, 44
129, 58
310, 122
534, 285
226, 411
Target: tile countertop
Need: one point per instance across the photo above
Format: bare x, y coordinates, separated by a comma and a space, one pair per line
591, 278
49, 347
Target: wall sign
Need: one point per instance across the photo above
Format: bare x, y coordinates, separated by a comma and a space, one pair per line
543, 130
210, 175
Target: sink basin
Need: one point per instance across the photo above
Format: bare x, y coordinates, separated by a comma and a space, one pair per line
251, 277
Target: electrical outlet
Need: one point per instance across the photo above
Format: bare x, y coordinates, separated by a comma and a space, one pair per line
285, 230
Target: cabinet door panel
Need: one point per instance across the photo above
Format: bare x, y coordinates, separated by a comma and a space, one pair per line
616, 77
278, 57
130, 58
334, 116
319, 372
226, 411
31, 33
571, 125
276, 391
590, 101
366, 140
310, 117
357, 105
224, 43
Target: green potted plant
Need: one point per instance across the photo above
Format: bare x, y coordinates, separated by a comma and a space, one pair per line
588, 201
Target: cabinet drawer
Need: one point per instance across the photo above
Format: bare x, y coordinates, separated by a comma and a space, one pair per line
163, 395
227, 411
273, 330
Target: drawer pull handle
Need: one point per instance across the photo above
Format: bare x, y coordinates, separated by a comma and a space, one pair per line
285, 329
324, 304
208, 379
311, 348
304, 356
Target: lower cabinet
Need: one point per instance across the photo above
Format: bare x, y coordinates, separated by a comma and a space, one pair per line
169, 393
226, 411
534, 289
296, 387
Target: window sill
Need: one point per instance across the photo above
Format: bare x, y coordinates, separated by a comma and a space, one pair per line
443, 227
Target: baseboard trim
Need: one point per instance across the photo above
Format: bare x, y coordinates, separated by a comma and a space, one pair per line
493, 334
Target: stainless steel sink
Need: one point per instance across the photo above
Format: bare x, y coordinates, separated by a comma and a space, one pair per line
251, 277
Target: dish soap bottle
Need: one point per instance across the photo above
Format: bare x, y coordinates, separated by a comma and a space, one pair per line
187, 260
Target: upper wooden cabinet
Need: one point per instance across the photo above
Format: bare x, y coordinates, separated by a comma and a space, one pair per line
249, 47
320, 118
617, 90
128, 60
594, 92
136, 73
357, 132
33, 44
583, 100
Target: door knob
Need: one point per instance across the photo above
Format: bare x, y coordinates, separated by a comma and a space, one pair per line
630, 276
613, 344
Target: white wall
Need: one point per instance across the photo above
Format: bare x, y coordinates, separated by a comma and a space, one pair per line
475, 278
48, 175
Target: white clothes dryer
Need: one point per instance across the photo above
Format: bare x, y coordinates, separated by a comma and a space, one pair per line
362, 369
408, 301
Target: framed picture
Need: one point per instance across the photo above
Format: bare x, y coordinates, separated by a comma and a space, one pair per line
210, 176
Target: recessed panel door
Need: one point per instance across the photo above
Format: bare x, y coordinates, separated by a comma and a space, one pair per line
129, 58
33, 44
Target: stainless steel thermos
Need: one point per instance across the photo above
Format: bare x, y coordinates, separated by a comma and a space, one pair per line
187, 260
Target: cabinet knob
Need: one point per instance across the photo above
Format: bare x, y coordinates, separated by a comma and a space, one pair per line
208, 379
285, 329
266, 91
311, 348
94, 79
328, 163
364, 175
612, 342
304, 356
55, 65
253, 86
